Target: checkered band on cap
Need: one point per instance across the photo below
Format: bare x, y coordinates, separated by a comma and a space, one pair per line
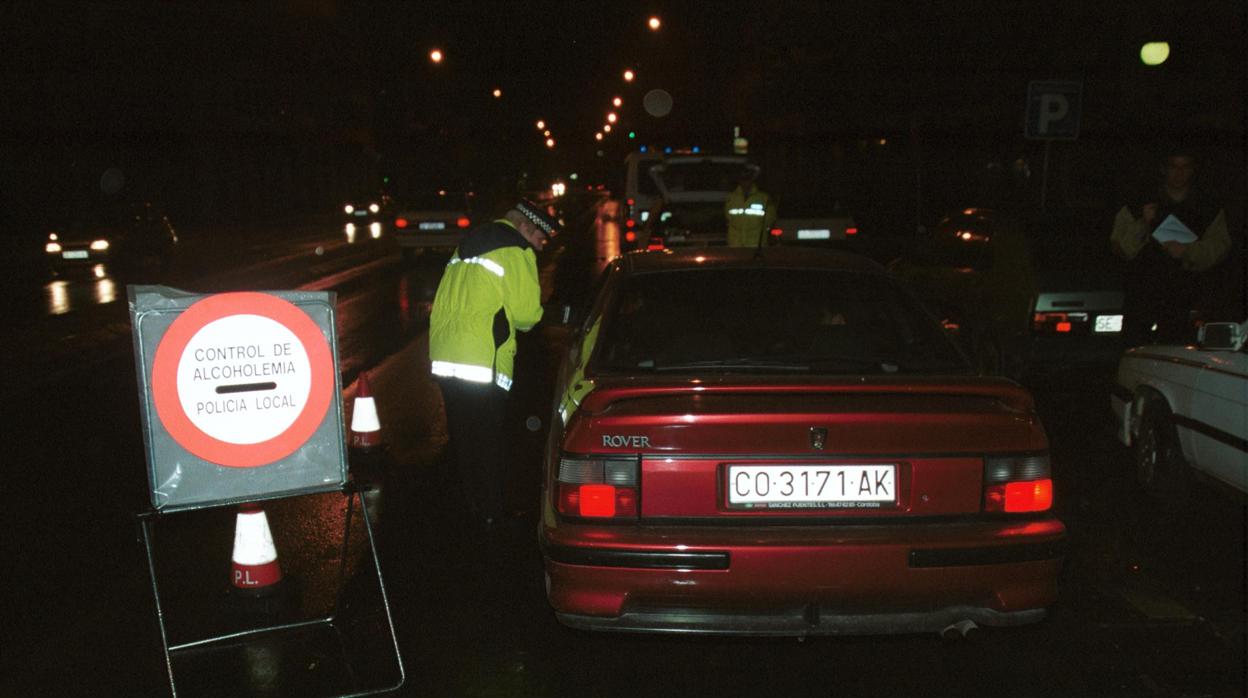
534, 213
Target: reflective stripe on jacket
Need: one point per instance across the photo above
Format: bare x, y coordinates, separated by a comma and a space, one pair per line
749, 217
489, 290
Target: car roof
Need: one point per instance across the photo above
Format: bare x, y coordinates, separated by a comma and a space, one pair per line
744, 257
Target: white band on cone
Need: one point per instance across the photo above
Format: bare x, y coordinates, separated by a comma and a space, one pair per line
253, 543
364, 416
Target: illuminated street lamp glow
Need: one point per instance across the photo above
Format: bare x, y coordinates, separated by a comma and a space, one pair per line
1154, 52
629, 75
654, 24
546, 133
550, 142
497, 93
541, 125
435, 56
611, 118
606, 128
617, 101
598, 136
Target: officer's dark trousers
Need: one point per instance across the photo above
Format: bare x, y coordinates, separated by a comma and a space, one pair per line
474, 418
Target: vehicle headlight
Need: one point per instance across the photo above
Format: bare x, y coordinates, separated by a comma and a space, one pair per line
374, 208
99, 245
53, 237
348, 209
53, 247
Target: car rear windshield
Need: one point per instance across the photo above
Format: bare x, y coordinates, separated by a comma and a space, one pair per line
435, 201
769, 320
700, 175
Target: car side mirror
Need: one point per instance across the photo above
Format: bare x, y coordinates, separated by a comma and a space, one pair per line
1220, 335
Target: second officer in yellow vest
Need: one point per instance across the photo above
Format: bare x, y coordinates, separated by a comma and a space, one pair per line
750, 212
489, 290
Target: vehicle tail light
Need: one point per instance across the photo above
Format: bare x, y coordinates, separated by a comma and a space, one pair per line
1018, 483
777, 232
400, 222
655, 244
630, 223
1059, 322
851, 231
630, 236
463, 222
597, 488
1063, 326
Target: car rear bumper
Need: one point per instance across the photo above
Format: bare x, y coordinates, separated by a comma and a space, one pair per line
425, 239
804, 579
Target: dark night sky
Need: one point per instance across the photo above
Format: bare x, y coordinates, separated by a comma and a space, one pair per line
179, 91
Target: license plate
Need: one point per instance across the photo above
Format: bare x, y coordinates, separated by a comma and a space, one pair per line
360, 213
812, 486
675, 238
433, 225
1108, 323
74, 254
820, 234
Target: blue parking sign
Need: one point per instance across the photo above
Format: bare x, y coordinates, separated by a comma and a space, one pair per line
1053, 108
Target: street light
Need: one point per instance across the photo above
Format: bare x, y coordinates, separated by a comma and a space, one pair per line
611, 118
541, 125
1154, 53
606, 128
550, 142
617, 102
497, 93
629, 75
435, 55
654, 24
598, 136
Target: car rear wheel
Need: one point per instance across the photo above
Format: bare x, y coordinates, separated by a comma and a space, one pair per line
1159, 463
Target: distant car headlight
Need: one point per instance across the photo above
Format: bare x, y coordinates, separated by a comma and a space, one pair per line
348, 209
374, 208
53, 247
53, 236
99, 245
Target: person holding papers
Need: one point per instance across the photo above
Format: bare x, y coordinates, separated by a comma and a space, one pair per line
1170, 240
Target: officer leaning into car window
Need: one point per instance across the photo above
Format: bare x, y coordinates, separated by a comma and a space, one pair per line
489, 291
749, 210
1167, 279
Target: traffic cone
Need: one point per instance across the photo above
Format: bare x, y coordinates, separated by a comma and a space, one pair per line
256, 571
365, 427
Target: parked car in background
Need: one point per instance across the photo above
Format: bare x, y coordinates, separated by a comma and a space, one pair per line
1184, 410
123, 237
1026, 298
787, 444
814, 221
434, 220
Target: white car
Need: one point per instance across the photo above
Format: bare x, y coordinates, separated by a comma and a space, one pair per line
1183, 407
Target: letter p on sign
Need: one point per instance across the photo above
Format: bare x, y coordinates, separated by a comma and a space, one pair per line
1053, 109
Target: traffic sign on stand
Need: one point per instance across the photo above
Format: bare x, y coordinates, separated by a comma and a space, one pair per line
238, 391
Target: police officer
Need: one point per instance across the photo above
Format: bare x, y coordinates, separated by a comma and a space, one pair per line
749, 210
489, 291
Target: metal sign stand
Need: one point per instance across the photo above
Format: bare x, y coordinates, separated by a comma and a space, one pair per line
147, 521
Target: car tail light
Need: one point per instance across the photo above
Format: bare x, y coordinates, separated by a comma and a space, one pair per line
597, 488
1062, 323
463, 222
1063, 327
630, 223
400, 222
1018, 483
777, 232
655, 244
851, 231
630, 236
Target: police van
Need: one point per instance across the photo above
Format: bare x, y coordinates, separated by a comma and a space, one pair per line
657, 182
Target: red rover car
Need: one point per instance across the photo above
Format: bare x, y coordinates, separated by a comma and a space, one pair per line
784, 443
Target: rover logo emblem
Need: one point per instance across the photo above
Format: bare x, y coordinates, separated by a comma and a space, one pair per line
818, 437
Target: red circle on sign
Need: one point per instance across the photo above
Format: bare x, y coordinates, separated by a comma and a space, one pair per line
179, 335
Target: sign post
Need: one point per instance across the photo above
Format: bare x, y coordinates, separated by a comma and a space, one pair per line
239, 399
1053, 111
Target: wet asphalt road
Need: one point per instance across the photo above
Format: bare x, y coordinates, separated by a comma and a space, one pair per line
1152, 603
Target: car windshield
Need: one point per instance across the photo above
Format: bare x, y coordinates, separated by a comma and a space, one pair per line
806, 206
770, 320
680, 176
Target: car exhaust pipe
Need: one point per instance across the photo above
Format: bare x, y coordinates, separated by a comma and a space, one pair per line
961, 630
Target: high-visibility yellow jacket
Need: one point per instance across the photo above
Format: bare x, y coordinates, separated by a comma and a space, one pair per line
749, 217
489, 290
